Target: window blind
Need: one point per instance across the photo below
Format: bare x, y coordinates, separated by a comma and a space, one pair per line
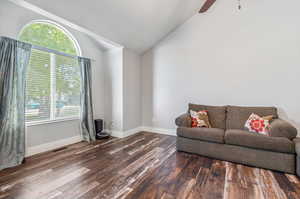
52, 87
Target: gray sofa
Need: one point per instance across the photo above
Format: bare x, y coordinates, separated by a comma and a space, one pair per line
228, 140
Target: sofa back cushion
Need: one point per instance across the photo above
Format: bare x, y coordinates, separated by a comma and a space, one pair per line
216, 114
237, 115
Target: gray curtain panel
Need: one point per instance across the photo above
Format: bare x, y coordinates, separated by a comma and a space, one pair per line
14, 58
86, 117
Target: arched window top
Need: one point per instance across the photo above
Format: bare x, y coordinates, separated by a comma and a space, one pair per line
50, 35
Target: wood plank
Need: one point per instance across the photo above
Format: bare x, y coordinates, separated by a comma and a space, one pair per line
240, 182
214, 187
269, 186
44, 189
286, 183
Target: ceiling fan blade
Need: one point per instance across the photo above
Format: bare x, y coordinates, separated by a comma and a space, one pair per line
207, 5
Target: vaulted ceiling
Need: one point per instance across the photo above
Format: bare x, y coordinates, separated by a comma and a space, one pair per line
135, 24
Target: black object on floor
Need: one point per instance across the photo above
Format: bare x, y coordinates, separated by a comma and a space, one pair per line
99, 129
102, 135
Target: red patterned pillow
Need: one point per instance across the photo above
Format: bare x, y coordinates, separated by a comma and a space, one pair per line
258, 124
200, 119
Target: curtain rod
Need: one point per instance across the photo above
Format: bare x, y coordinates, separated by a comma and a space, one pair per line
56, 52
50, 50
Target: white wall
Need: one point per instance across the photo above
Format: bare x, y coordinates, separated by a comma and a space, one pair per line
132, 90
226, 56
114, 90
12, 19
123, 86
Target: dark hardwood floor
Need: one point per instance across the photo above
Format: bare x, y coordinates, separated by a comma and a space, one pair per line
144, 165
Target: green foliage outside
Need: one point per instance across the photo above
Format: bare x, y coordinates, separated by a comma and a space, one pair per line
67, 82
38, 74
48, 36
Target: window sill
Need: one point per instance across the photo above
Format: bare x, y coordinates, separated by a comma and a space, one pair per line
51, 121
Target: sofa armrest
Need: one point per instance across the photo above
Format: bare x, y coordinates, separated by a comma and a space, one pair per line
297, 149
184, 120
297, 146
281, 128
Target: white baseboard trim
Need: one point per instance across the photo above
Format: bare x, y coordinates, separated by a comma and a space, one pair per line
52, 145
132, 131
159, 130
122, 134
118, 134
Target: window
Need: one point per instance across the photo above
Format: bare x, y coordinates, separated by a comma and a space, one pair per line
52, 81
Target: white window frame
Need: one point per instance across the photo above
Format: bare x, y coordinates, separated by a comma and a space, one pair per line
53, 119
52, 86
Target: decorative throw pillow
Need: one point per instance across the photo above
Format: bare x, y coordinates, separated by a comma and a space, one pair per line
257, 124
200, 119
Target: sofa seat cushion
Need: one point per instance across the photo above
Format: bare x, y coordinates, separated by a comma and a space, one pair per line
204, 134
256, 141
238, 115
216, 114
